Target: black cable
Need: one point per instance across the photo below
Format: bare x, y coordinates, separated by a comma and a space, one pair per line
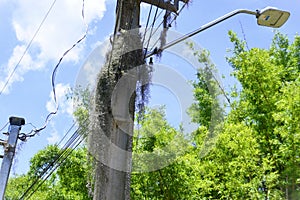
71, 140
152, 26
37, 179
155, 20
27, 48
69, 130
68, 144
163, 22
54, 168
73, 144
147, 23
33, 132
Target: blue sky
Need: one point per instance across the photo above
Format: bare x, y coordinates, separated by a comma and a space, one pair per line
28, 93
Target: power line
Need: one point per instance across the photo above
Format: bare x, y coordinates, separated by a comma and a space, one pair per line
33, 132
147, 23
152, 26
27, 48
69, 130
174, 18
4, 126
73, 142
67, 153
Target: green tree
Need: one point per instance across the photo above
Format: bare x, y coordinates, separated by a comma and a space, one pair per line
269, 105
252, 153
225, 150
255, 154
160, 145
69, 181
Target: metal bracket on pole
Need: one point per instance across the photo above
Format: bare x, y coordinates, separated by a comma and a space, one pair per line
9, 152
162, 4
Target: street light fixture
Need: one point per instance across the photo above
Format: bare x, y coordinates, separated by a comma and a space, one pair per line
272, 17
269, 16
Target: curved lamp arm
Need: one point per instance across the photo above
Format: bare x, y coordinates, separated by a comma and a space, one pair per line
269, 16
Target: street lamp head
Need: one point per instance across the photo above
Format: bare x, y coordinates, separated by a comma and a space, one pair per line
272, 17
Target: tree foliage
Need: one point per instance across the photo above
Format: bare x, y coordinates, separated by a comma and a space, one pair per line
256, 152
253, 154
69, 181
159, 144
269, 105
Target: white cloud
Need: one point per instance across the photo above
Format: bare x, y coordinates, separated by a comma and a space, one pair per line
24, 66
61, 29
65, 106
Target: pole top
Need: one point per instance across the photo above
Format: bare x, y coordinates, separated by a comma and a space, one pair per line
16, 121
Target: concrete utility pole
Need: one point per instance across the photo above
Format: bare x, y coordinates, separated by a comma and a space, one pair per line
9, 151
112, 135
110, 183
112, 117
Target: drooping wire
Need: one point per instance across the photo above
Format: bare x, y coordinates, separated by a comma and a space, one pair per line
27, 48
79, 132
244, 35
33, 132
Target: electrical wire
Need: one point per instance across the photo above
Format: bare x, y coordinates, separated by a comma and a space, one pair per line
4, 126
153, 32
174, 18
147, 23
27, 48
152, 26
52, 170
56, 166
69, 130
73, 142
148, 19
33, 132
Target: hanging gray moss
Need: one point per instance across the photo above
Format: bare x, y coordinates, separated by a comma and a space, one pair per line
124, 58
